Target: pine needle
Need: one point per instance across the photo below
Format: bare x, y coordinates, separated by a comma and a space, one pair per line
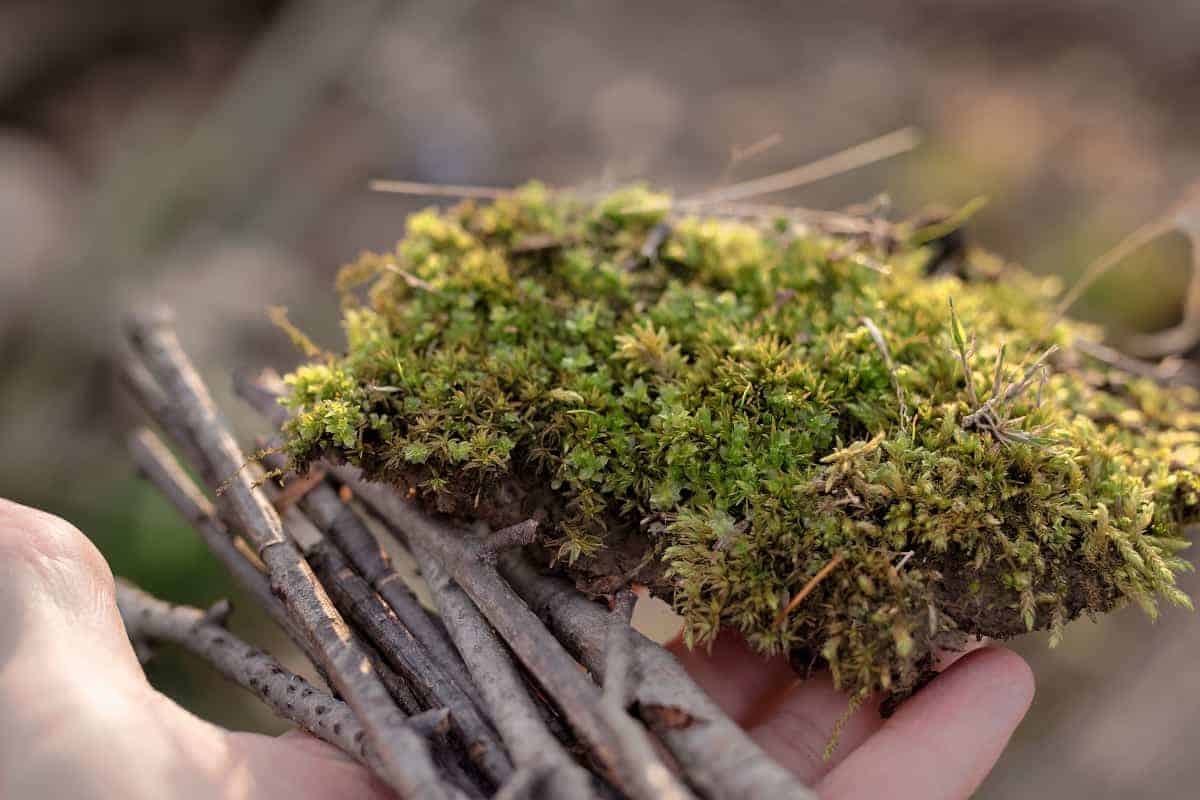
812, 584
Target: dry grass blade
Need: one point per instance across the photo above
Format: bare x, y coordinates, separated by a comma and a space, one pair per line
419, 189
861, 155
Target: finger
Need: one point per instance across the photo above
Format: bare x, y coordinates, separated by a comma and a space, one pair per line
78, 711
945, 740
796, 725
299, 767
735, 676
57, 592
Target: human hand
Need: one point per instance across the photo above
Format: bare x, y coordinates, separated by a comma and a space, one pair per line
939, 745
81, 721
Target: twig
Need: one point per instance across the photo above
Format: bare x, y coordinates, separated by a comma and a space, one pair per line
289, 695
404, 653
405, 760
576, 696
654, 777
808, 588
505, 694
1169, 372
295, 490
347, 531
438, 189
715, 754
502, 690
527, 783
738, 154
620, 671
513, 536
157, 464
396, 645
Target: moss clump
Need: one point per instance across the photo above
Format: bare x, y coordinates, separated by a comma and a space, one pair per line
747, 405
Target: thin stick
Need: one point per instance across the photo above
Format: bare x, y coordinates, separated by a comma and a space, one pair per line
156, 463
527, 783
576, 696
739, 154
399, 648
354, 596
808, 588
620, 670
347, 531
715, 754
504, 692
405, 760
621, 677
502, 689
1171, 372
517, 535
288, 695
852, 158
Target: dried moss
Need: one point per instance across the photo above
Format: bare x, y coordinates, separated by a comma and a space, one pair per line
732, 410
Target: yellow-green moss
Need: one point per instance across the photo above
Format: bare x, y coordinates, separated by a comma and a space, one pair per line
745, 404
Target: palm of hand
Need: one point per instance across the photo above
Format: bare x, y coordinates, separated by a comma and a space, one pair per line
81, 720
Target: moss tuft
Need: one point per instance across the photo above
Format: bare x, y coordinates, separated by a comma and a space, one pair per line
735, 408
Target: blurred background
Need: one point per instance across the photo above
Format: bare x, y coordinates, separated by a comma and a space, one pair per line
215, 155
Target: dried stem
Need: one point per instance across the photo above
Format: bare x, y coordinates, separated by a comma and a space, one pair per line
1140, 237
157, 464
288, 695
405, 761
513, 536
576, 696
514, 712
852, 158
715, 754
354, 596
352, 537
654, 778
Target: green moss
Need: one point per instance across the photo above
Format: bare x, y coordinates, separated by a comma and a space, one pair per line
749, 404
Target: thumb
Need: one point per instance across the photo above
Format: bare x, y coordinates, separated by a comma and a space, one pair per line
59, 615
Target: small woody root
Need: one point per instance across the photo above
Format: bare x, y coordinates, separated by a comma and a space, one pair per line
515, 685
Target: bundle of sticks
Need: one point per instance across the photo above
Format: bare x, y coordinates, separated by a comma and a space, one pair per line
515, 686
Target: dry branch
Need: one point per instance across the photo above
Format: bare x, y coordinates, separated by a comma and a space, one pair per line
405, 760
351, 536
717, 756
513, 710
355, 598
158, 466
289, 695
558, 674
